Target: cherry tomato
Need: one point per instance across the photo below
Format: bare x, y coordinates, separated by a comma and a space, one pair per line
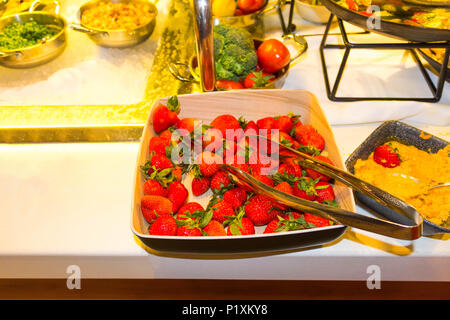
228, 85
258, 79
249, 6
273, 55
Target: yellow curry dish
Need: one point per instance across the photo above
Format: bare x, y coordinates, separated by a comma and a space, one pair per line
409, 179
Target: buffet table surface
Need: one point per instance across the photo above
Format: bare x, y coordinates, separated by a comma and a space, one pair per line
67, 204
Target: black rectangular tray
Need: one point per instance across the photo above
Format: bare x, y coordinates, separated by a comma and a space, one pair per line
408, 135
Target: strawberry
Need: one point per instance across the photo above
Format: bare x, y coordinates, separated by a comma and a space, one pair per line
235, 197
160, 162
222, 211
177, 173
315, 220
293, 215
285, 187
387, 156
272, 226
324, 192
164, 225
186, 211
200, 185
317, 175
267, 123
214, 228
189, 231
260, 210
164, 117
284, 123
305, 189
264, 179
207, 164
309, 138
286, 140
251, 125
287, 223
219, 181
153, 206
153, 187
226, 122
158, 145
186, 124
243, 226
166, 135
177, 194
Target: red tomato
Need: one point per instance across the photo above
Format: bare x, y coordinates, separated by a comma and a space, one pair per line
258, 79
249, 6
273, 55
228, 85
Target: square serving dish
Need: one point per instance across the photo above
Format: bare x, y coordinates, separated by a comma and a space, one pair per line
408, 135
252, 105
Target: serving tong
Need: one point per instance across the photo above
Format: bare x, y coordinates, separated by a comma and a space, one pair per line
340, 216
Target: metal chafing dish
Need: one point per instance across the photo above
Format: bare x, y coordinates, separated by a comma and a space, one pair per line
121, 38
41, 53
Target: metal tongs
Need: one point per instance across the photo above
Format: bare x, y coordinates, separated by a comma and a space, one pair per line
340, 216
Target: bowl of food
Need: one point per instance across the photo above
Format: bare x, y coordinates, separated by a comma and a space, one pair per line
117, 23
196, 207
244, 62
312, 10
407, 163
242, 13
29, 39
435, 58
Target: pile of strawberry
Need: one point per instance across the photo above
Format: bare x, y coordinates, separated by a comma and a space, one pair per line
233, 209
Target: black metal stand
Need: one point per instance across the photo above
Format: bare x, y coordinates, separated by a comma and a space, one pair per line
290, 27
410, 46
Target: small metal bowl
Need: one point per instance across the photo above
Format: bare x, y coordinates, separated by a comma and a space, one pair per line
121, 38
277, 83
247, 21
38, 54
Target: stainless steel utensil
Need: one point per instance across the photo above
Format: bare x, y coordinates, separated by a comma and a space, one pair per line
116, 38
348, 218
41, 53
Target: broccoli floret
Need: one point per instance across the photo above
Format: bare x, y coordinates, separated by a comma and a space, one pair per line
234, 52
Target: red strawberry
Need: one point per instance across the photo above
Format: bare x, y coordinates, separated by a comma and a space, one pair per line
305, 189
286, 140
164, 117
264, 179
220, 180
158, 145
153, 187
226, 122
186, 124
200, 185
251, 125
287, 168
387, 156
286, 188
309, 137
260, 210
153, 206
177, 173
160, 162
177, 194
272, 226
166, 135
284, 123
188, 209
214, 228
267, 123
236, 197
243, 226
222, 211
317, 221
164, 225
293, 215
324, 192
317, 175
189, 231
207, 164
